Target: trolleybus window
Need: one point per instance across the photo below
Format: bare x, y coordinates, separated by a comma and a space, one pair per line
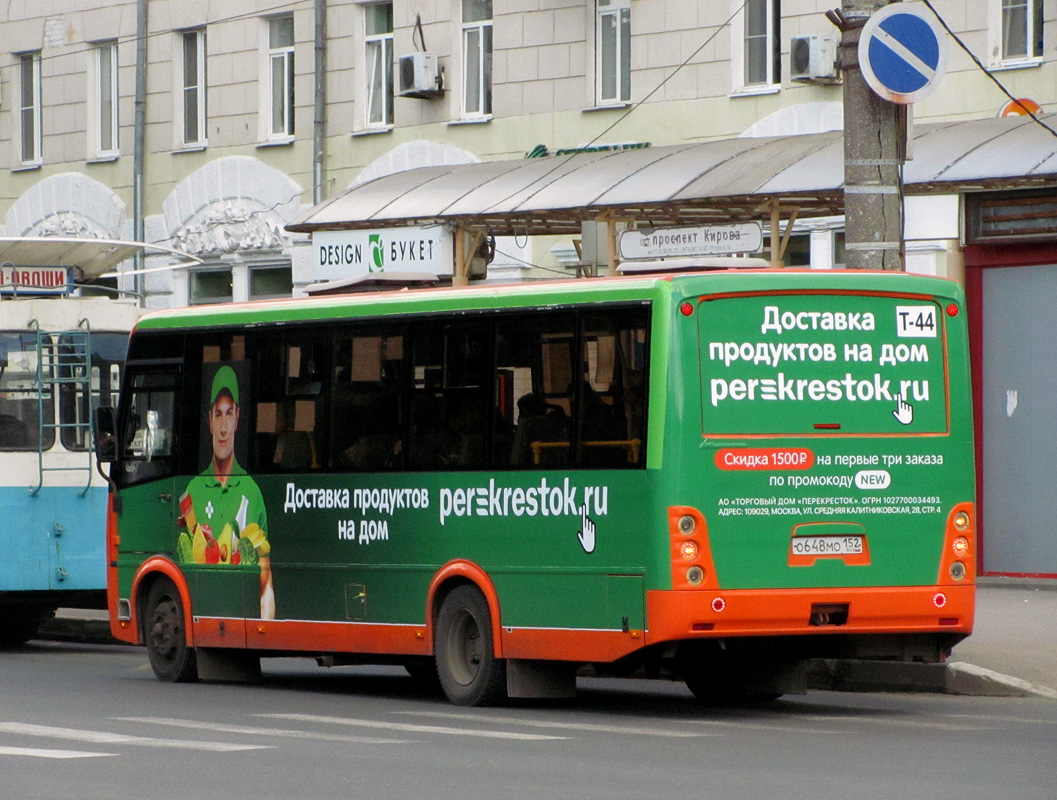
24, 402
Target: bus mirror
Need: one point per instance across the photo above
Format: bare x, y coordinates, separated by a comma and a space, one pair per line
105, 435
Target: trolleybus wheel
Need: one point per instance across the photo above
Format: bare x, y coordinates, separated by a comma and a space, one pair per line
19, 624
469, 672
166, 637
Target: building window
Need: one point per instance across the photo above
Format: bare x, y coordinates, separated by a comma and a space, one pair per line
29, 109
1021, 30
762, 48
193, 87
477, 57
210, 286
271, 282
613, 52
280, 104
103, 128
378, 52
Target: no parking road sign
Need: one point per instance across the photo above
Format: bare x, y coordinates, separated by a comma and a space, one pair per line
903, 52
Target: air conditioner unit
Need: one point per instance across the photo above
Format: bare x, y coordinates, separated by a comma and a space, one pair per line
419, 76
813, 59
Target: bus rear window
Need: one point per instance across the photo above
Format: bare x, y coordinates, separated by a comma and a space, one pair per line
822, 364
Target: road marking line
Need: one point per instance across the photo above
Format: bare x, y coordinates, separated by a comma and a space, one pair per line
589, 727
36, 752
758, 726
104, 737
397, 726
940, 726
257, 731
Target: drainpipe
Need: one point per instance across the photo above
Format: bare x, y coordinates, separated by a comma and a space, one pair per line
139, 143
320, 114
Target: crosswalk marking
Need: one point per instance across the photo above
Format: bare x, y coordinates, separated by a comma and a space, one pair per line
104, 737
587, 727
36, 752
259, 731
398, 726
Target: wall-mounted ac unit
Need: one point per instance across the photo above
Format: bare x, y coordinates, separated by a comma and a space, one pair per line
419, 76
813, 59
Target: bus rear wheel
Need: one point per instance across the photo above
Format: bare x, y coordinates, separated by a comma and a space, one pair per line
165, 635
469, 672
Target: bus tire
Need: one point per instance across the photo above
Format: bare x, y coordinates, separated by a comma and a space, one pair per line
469, 672
165, 635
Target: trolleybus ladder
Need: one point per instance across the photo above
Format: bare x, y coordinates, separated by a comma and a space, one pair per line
64, 359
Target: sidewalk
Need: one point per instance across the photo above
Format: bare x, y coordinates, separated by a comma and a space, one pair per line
1012, 652
1015, 634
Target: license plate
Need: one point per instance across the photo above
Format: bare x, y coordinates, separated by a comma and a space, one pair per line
827, 545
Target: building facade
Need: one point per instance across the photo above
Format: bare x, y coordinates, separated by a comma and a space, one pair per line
208, 127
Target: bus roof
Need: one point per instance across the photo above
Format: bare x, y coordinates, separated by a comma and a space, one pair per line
485, 296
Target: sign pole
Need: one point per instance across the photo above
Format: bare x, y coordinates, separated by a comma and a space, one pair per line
874, 151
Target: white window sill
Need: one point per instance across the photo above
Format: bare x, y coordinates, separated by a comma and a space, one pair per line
109, 158
28, 167
472, 120
277, 142
756, 91
373, 131
1020, 63
606, 107
190, 148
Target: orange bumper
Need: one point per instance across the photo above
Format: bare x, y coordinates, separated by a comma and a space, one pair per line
711, 613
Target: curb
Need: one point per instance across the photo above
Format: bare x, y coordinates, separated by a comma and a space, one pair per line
76, 629
955, 678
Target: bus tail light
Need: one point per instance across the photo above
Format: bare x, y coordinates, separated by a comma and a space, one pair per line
691, 557
958, 558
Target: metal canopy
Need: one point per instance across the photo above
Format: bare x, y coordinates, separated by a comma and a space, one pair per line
93, 256
684, 184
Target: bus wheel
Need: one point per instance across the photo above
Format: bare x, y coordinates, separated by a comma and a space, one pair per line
166, 637
469, 672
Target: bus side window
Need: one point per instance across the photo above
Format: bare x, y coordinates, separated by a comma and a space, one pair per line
450, 420
147, 440
366, 397
286, 405
611, 391
534, 356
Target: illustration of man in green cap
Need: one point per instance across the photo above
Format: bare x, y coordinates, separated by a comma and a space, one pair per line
225, 502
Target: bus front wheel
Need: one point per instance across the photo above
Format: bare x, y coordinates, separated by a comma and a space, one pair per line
469, 672
165, 635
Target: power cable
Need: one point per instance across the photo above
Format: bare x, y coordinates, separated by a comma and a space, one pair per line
984, 69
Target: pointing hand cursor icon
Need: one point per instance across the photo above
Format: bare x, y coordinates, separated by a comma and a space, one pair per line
904, 411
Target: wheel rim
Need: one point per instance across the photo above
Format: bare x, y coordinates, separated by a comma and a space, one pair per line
165, 629
464, 647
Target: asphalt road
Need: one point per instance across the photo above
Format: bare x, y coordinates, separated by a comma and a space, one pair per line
86, 722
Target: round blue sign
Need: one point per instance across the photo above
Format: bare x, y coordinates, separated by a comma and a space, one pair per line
902, 53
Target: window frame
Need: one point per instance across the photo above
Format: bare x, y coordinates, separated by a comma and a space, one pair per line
372, 43
741, 82
200, 89
621, 10
30, 61
211, 299
271, 55
103, 111
1032, 41
482, 63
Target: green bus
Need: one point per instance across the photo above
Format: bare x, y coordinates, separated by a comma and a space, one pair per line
714, 476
